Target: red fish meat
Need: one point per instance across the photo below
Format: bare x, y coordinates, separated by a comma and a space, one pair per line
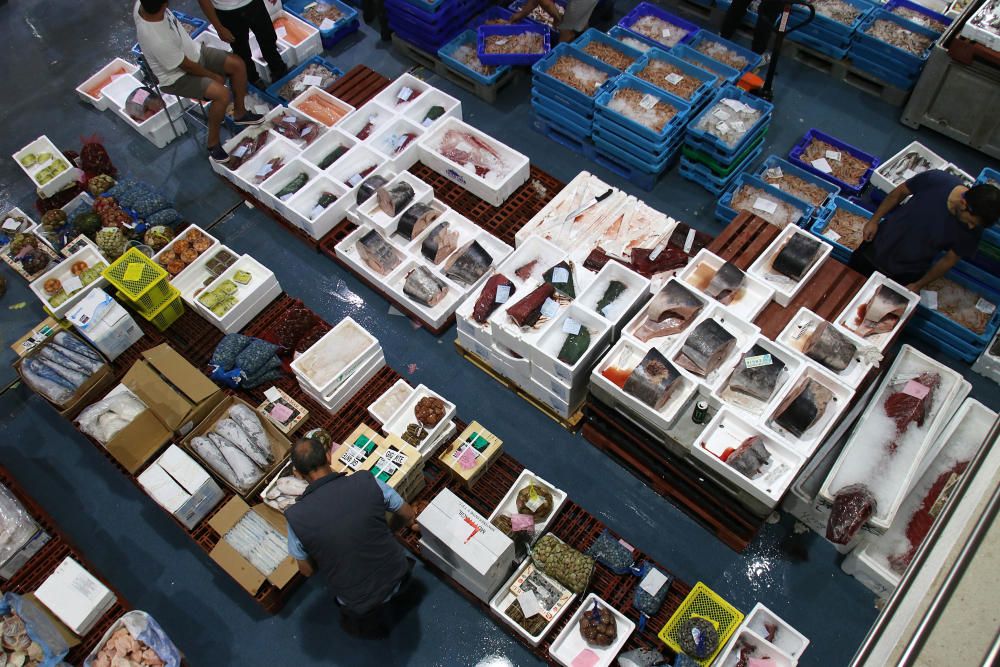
671, 258
487, 301
527, 311
921, 521
852, 507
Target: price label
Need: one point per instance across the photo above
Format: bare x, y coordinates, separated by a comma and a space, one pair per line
354, 180
467, 460
608, 311
735, 105
774, 172
758, 361
427, 122
984, 306
571, 326
765, 205
327, 24
405, 93
721, 114
549, 308
929, 298
833, 155
503, 294
264, 170
501, 42
689, 241
648, 101
241, 151
674, 79
739, 126
281, 32
291, 119
802, 329
585, 658
560, 275
666, 32
653, 582
281, 413
916, 389
832, 235
273, 394
722, 127
522, 522
528, 602
317, 211
822, 165
10, 224
71, 284
312, 80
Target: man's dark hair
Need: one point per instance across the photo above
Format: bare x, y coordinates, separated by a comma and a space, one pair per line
983, 201
308, 455
152, 6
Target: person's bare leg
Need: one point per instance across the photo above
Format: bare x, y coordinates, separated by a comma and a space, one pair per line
236, 70
219, 96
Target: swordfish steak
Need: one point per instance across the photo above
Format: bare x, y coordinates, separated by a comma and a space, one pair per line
670, 312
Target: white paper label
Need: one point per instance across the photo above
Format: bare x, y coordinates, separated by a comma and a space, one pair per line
300, 85
529, 604
758, 361
571, 326
549, 308
463, 146
774, 172
653, 582
273, 394
673, 79
608, 311
721, 114
833, 155
765, 205
689, 241
648, 101
722, 127
822, 165
832, 235
428, 122
291, 119
317, 210
735, 105
312, 80
500, 42
560, 276
71, 284
264, 170
11, 224
739, 126
666, 32
984, 306
929, 298
327, 24
281, 32
261, 108
503, 294
908, 174
354, 180
405, 93
241, 151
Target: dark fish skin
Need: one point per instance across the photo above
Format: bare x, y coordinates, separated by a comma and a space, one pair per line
378, 253
653, 380
368, 188
759, 382
527, 311
574, 347
803, 408
393, 200
798, 255
415, 220
468, 265
830, 347
726, 282
438, 243
669, 312
750, 458
487, 301
423, 287
567, 288
705, 348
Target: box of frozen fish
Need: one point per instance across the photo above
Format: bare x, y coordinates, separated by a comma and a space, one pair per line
182, 487
253, 545
52, 369
75, 596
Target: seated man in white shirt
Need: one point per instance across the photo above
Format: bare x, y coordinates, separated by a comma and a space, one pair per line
188, 69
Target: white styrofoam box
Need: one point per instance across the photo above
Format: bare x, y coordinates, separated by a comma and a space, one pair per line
545, 354
325, 145
9, 224
482, 334
102, 77
728, 430
987, 38
467, 541
349, 168
307, 47
751, 298
885, 182
988, 364
435, 316
59, 181
405, 416
250, 297
390, 401
395, 97
347, 250
497, 185
850, 316
570, 392
625, 306
785, 289
418, 108
750, 405
181, 486
864, 445
814, 435
230, 146
473, 346
549, 218
663, 343
337, 398
763, 650
196, 276
162, 127
800, 328
744, 333
63, 273
370, 114
256, 170
494, 247
626, 354
369, 212
508, 505
967, 179
304, 211
541, 392
75, 596
504, 598
457, 223
789, 640
870, 570
335, 356
389, 139
280, 112
274, 183
570, 643
117, 92
287, 53
169, 247
534, 256
104, 323
317, 93
510, 335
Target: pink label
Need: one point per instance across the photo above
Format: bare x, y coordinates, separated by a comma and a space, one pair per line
468, 459
519, 522
915, 389
281, 413
140, 96
585, 658
626, 545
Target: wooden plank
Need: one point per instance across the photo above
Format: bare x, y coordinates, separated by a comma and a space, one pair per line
723, 240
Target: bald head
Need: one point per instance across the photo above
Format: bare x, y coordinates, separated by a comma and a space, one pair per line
309, 456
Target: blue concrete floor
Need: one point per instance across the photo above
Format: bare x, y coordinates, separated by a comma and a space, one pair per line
135, 545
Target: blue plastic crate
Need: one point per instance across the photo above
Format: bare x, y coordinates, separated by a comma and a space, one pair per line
558, 134
670, 130
558, 115
449, 23
698, 97
641, 179
795, 154
485, 31
787, 167
888, 50
824, 47
988, 174
823, 216
632, 160
615, 132
920, 9
714, 146
936, 337
865, 52
540, 75
275, 87
443, 14
829, 25
341, 28
615, 137
468, 37
492, 13
595, 35
706, 178
970, 277
426, 6
702, 36
554, 107
724, 205
837, 40
724, 73
649, 9
629, 39
517, 4
878, 69
540, 88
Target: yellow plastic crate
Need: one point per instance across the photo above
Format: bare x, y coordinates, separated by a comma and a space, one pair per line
704, 602
167, 313
139, 280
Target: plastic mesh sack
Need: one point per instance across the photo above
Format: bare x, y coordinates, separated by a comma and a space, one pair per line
143, 627
611, 553
40, 629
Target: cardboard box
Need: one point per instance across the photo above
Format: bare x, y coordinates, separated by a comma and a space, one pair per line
230, 560
181, 486
65, 633
36, 335
177, 396
357, 451
486, 448
473, 548
96, 386
292, 413
280, 445
396, 463
104, 323
75, 596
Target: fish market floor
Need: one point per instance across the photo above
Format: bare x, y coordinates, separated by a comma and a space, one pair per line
139, 549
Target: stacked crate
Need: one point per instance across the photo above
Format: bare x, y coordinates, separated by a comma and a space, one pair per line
891, 64
942, 332
144, 285
678, 31
778, 171
430, 25
988, 256
824, 33
330, 31
820, 226
724, 51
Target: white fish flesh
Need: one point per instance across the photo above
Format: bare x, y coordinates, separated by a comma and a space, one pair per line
247, 420
245, 471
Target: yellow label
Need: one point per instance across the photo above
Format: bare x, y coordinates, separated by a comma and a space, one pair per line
133, 271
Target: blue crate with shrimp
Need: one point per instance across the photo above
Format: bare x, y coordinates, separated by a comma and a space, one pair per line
820, 227
548, 85
712, 46
627, 140
595, 36
492, 13
796, 157
864, 53
826, 47
827, 29
332, 18
986, 287
629, 39
644, 135
775, 168
918, 15
725, 212
683, 70
274, 90
468, 39
515, 6
724, 73
873, 49
704, 176
504, 32
737, 100
673, 30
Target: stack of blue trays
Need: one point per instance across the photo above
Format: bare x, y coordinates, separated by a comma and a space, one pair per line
696, 100
822, 221
595, 35
636, 145
889, 63
774, 169
943, 333
826, 35
430, 24
704, 39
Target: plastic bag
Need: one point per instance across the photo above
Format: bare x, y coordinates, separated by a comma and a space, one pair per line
563, 563
143, 627
227, 350
104, 419
649, 603
16, 525
256, 355
610, 552
38, 626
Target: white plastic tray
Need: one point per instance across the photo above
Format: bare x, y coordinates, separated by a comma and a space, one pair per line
417, 110
750, 406
744, 332
664, 343
370, 112
785, 290
349, 342
814, 436
387, 136
508, 505
303, 206
752, 297
848, 318
390, 401
390, 96
796, 335
879, 178
117, 67
787, 639
570, 643
312, 92
370, 213
269, 188
61, 272
326, 144
624, 307
545, 354
504, 598
251, 298
404, 416
435, 316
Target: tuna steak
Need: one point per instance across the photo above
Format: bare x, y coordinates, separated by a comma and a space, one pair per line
909, 406
797, 257
392, 200
670, 259
468, 264
829, 347
653, 380
487, 301
560, 277
415, 220
750, 458
725, 283
760, 381
670, 312
527, 311
423, 287
368, 188
853, 505
439, 243
705, 348
803, 407
881, 313
376, 252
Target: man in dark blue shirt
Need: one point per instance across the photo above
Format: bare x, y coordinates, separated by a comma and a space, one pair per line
941, 216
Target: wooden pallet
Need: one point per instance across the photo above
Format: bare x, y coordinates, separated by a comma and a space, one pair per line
358, 86
571, 424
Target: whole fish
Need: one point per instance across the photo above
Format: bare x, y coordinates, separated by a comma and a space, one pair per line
669, 312
65, 339
51, 353
760, 381
82, 360
248, 420
439, 243
42, 379
423, 287
881, 313
803, 407
487, 301
750, 458
468, 264
245, 471
653, 380
232, 432
211, 455
377, 253
415, 220
75, 378
797, 256
830, 348
726, 283
705, 348
527, 311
